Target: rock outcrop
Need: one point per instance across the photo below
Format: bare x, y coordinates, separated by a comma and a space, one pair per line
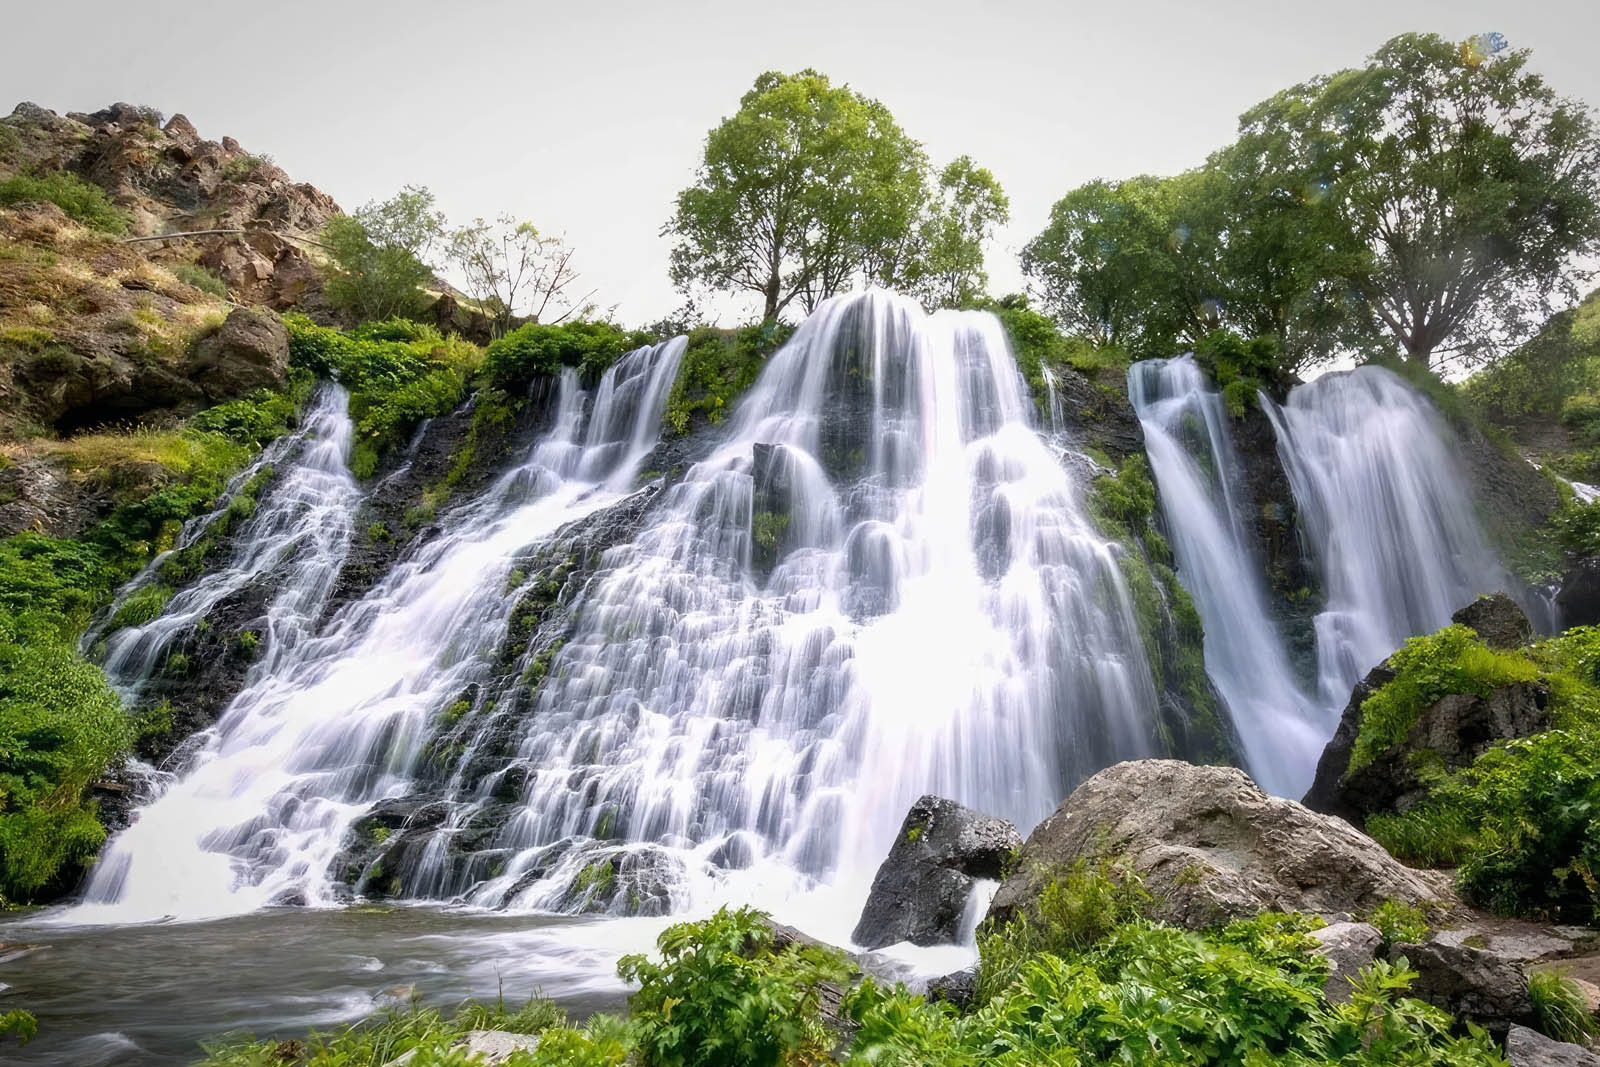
1529, 1048
250, 350
1211, 846
1470, 983
1451, 732
922, 889
1349, 947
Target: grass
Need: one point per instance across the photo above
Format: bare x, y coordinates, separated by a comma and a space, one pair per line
1559, 1006
83, 203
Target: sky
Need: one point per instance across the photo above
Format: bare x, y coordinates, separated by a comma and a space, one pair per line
588, 118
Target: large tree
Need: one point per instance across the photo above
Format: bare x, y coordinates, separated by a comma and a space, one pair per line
799, 193
1465, 185
509, 265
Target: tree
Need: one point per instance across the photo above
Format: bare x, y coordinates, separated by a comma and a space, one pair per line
378, 254
806, 188
1466, 187
508, 264
945, 267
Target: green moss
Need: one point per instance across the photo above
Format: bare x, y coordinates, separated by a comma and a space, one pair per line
599, 876
142, 606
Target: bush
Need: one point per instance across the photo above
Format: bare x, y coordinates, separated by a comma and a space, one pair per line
84, 203
256, 419
718, 366
60, 725
1241, 368
1399, 923
537, 350
724, 995
1426, 669
198, 277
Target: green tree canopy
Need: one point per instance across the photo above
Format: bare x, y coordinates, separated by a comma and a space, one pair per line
945, 267
804, 189
378, 254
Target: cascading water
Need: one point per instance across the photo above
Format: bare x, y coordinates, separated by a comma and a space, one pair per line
882, 583
299, 534
337, 720
1200, 478
1383, 510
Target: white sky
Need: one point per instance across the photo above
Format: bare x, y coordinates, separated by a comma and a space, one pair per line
588, 118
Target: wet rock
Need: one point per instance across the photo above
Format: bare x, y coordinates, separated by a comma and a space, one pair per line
1578, 602
1529, 1048
1469, 983
1499, 622
959, 988
1349, 947
921, 891
625, 881
1211, 846
250, 350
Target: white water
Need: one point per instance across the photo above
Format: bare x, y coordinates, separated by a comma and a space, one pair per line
337, 721
1201, 482
1384, 508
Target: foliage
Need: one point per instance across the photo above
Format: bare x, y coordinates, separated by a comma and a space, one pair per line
542, 350
944, 266
83, 202
717, 367
1400, 923
256, 419
398, 373
1426, 669
509, 263
1240, 368
21, 1023
1466, 183
724, 995
1558, 369
1039, 345
198, 277
378, 254
806, 187
1559, 1006
60, 725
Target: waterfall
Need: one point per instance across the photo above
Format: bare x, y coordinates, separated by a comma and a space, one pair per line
1383, 511
881, 583
337, 720
1202, 496
298, 533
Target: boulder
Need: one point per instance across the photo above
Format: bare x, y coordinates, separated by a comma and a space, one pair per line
250, 350
1499, 622
482, 1046
1578, 601
1212, 846
1470, 983
1529, 1048
959, 988
1325, 794
921, 891
1349, 947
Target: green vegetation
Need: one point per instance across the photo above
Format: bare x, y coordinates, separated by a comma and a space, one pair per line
1522, 822
1427, 668
1241, 368
198, 277
1432, 201
1399, 923
377, 254
538, 350
1559, 1006
84, 203
398, 373
718, 366
811, 187
1038, 344
21, 1023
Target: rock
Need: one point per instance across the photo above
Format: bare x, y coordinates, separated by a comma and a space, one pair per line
1211, 846
1529, 1048
1578, 602
1349, 947
1499, 622
1470, 983
959, 988
921, 891
249, 351
1325, 794
482, 1046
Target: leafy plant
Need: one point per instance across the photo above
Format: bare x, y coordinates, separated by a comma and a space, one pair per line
1400, 923
1559, 1006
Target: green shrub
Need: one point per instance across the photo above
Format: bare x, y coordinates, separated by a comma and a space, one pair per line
142, 606
1240, 367
537, 350
1399, 923
198, 277
83, 202
718, 366
1559, 1006
1426, 669
724, 995
1124, 504
60, 725
256, 419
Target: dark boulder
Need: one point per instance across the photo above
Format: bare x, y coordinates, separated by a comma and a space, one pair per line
922, 889
1529, 1048
1469, 983
1578, 602
250, 350
1499, 622
958, 989
1212, 846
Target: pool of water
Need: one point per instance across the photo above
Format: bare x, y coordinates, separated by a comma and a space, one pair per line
152, 993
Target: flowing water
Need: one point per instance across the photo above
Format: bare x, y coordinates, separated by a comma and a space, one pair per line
1201, 482
1385, 513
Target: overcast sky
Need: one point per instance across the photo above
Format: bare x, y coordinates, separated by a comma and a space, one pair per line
587, 118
